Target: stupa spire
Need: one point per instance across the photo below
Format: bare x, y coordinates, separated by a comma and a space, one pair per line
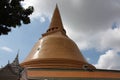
56, 19
56, 23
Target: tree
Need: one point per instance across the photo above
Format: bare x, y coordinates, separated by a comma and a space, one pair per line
12, 14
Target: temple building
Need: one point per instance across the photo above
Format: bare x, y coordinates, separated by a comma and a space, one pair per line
56, 57
12, 71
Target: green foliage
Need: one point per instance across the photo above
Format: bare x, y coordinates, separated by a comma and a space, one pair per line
12, 14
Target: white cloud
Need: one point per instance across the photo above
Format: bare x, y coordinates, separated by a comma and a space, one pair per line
85, 19
111, 39
109, 60
7, 49
88, 59
42, 19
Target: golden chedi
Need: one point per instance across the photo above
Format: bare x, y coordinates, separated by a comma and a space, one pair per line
56, 50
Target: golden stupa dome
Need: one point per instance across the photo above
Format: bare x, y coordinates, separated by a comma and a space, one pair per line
55, 49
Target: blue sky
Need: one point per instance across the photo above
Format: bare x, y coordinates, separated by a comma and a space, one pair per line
92, 24
22, 39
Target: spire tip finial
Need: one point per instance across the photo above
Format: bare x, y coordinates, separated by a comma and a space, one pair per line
56, 23
56, 5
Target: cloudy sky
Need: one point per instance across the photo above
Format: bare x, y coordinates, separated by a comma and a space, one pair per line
93, 24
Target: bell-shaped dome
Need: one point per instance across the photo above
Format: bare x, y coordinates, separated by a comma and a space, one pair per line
55, 49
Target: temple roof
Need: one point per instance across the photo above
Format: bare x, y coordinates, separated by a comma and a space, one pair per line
11, 71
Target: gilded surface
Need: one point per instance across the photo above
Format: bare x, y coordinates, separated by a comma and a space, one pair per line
55, 45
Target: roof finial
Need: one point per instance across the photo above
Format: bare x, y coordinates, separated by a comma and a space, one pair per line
16, 60
8, 62
17, 53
